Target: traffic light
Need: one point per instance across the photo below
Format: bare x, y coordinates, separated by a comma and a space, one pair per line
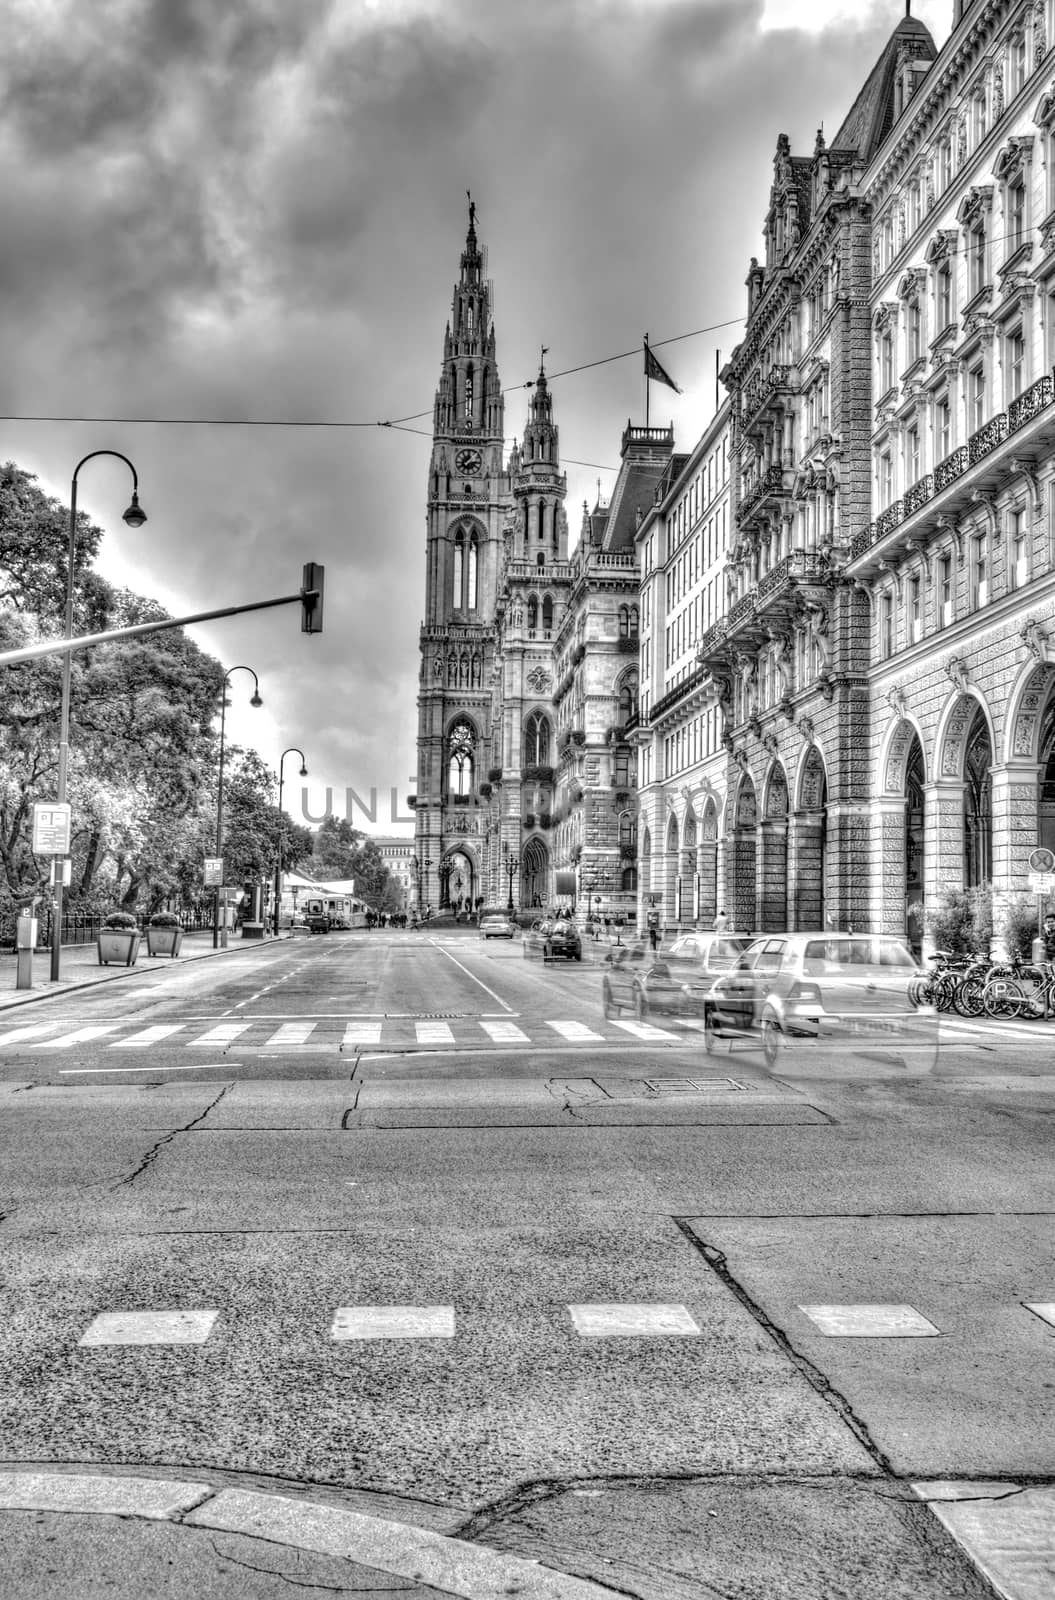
311, 597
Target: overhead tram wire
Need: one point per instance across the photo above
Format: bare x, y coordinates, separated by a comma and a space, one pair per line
396, 424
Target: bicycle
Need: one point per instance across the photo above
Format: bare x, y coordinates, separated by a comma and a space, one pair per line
1004, 996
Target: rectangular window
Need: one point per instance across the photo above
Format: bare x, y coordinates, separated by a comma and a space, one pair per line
911, 454
975, 398
1016, 215
886, 361
915, 610
915, 331
886, 625
942, 428
943, 296
1018, 62
976, 260
1017, 548
945, 606
1014, 363
979, 571
886, 480
944, 164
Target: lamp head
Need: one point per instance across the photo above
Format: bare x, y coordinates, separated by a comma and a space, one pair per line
304, 772
256, 700
135, 516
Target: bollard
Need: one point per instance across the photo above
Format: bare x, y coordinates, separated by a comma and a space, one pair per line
25, 944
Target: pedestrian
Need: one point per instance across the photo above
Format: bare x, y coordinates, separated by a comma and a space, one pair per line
653, 929
1048, 936
720, 922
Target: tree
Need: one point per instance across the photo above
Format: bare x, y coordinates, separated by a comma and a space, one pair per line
335, 846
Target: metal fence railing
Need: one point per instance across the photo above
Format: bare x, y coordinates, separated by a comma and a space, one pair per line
82, 928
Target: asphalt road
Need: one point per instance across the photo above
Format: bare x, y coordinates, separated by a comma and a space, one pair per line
433, 1237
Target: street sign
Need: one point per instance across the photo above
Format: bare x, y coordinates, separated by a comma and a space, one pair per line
61, 872
51, 828
213, 871
1042, 882
1042, 860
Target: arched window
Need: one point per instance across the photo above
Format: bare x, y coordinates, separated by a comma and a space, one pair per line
532, 613
627, 828
462, 744
471, 586
978, 805
468, 394
624, 622
627, 699
542, 519
634, 616
537, 740
459, 568
540, 559
469, 318
629, 880
547, 613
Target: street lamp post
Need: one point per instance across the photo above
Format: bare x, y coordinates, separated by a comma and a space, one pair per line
292, 751
135, 516
254, 701
511, 867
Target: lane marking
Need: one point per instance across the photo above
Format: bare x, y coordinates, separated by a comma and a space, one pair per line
871, 1322
139, 1041
78, 1036
574, 1030
504, 1032
632, 1320
362, 1033
497, 998
149, 1327
182, 1066
393, 1322
292, 1033
27, 1032
434, 1033
644, 1030
221, 1034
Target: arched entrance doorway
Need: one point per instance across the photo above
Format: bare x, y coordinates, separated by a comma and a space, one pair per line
774, 862
534, 887
709, 865
811, 844
745, 817
671, 893
687, 888
458, 889
978, 804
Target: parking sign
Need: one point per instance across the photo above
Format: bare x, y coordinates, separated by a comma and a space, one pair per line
51, 828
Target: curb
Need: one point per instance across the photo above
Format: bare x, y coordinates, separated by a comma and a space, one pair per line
27, 997
398, 1549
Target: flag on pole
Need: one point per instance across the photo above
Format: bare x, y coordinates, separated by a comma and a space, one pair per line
654, 370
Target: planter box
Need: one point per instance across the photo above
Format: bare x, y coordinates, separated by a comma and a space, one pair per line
118, 944
164, 941
252, 930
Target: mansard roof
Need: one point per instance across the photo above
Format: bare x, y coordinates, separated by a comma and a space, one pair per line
871, 116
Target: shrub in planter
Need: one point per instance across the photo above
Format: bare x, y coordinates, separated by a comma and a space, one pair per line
962, 921
494, 775
1020, 926
164, 934
118, 939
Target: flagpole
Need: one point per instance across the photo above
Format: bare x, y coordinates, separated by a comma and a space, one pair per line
646, 381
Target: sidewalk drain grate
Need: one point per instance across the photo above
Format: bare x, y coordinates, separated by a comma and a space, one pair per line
684, 1086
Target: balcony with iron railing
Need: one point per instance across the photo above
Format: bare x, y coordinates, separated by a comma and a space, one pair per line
776, 384
759, 489
955, 478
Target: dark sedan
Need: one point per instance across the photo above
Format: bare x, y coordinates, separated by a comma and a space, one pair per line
558, 937
672, 985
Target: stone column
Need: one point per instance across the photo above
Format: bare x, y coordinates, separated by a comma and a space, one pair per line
742, 904
888, 897
1016, 824
849, 866
943, 830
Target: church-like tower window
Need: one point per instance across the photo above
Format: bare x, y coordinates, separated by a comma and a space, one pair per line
469, 394
627, 699
547, 615
532, 615
459, 568
536, 740
542, 519
471, 573
462, 745
469, 319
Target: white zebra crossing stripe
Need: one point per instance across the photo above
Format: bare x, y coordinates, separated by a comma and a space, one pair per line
292, 1033
433, 1033
574, 1030
505, 1033
78, 1036
393, 1322
644, 1030
362, 1033
17, 1034
148, 1036
223, 1033
149, 1327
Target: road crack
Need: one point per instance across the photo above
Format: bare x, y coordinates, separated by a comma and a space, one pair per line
156, 1149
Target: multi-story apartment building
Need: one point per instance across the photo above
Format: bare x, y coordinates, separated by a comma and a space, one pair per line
957, 564
597, 690
682, 547
397, 852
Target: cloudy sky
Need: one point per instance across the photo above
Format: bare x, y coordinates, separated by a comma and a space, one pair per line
223, 217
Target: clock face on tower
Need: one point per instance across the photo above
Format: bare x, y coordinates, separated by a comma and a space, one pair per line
467, 461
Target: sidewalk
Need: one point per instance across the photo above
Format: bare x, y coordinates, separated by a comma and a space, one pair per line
80, 968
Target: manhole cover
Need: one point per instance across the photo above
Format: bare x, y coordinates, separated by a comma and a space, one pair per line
690, 1086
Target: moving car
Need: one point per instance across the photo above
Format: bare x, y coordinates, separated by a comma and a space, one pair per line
557, 936
831, 993
674, 984
495, 925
